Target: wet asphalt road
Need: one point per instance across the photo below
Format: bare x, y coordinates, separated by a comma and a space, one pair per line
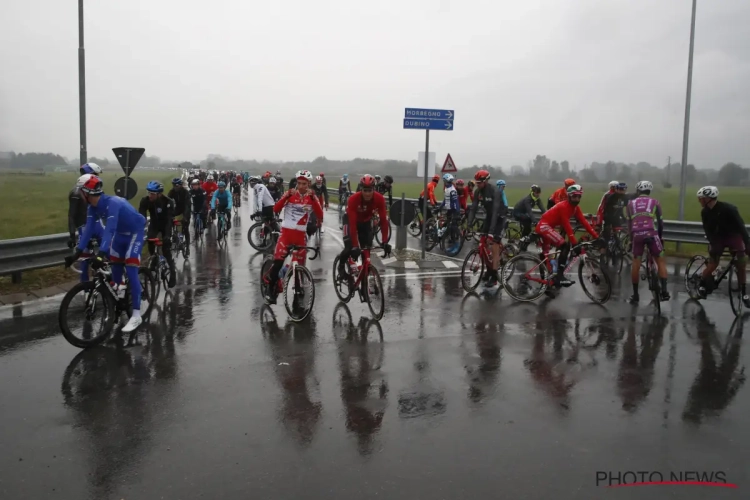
449, 396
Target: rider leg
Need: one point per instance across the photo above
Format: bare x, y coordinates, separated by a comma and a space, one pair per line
525, 222
185, 225
657, 250
126, 250
166, 249
228, 214
635, 270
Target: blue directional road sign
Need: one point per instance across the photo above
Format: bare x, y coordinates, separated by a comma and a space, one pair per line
428, 124
429, 114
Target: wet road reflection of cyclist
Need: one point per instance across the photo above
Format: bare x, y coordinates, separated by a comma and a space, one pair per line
636, 375
483, 374
364, 389
719, 375
293, 355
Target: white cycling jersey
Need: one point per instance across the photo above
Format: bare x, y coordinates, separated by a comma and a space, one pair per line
262, 197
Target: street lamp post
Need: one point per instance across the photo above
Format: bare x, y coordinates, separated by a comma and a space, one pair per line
82, 85
686, 130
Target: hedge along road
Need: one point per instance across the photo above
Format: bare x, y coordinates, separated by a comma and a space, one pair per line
449, 396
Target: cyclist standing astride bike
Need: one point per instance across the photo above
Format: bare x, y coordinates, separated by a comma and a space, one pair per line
224, 200
386, 186
609, 213
430, 194
236, 188
210, 188
273, 188
297, 204
198, 198
561, 194
358, 231
644, 221
523, 210
280, 180
724, 228
160, 209
320, 193
453, 214
462, 193
181, 199
491, 199
559, 216
264, 202
122, 240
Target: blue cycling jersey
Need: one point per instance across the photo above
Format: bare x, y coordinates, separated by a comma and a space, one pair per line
119, 217
450, 197
224, 199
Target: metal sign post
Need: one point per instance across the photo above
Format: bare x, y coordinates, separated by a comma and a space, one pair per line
127, 174
427, 119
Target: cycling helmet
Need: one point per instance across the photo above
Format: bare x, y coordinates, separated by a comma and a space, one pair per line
222, 184
708, 192
177, 181
210, 177
500, 183
377, 178
318, 180
254, 179
388, 179
436, 178
195, 182
304, 174
82, 180
322, 174
460, 183
613, 184
448, 178
622, 185
278, 172
644, 186
574, 189
155, 187
367, 181
470, 183
482, 176
91, 168
93, 185
535, 189
272, 180
569, 182
345, 177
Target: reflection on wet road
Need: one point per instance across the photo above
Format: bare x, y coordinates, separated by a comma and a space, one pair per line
449, 396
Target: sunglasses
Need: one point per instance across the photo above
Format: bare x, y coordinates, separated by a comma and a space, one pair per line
367, 190
575, 196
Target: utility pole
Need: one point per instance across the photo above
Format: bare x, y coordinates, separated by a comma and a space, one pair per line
669, 164
82, 85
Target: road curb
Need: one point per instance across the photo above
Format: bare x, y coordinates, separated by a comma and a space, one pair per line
50, 291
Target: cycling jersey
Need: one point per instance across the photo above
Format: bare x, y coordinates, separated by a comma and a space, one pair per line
210, 187
359, 211
524, 207
77, 210
198, 199
560, 215
297, 208
462, 197
262, 197
644, 217
180, 196
505, 198
121, 220
319, 191
224, 200
490, 199
161, 214
559, 196
236, 188
450, 198
345, 186
275, 192
723, 220
430, 192
384, 188
608, 207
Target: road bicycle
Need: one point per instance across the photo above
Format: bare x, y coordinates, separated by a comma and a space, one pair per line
376, 228
198, 226
529, 270
261, 235
236, 203
451, 238
84, 300
157, 264
479, 260
178, 241
221, 234
343, 199
363, 278
293, 278
694, 271
651, 274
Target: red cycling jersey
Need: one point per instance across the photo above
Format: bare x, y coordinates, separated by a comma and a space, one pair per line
559, 195
358, 211
209, 187
298, 208
430, 192
463, 194
560, 215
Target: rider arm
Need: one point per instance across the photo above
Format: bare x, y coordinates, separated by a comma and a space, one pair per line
74, 201
351, 220
213, 199
431, 193
473, 210
383, 217
659, 220
600, 210
734, 214
317, 209
497, 207
229, 200
582, 220
87, 230
110, 227
170, 208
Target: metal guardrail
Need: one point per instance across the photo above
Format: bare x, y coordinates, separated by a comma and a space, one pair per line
37, 252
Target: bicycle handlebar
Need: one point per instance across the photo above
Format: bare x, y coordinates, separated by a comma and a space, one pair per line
314, 250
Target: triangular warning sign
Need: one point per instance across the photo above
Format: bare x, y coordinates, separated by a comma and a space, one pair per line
449, 166
128, 158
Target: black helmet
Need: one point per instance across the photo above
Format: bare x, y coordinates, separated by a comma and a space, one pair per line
388, 179
535, 189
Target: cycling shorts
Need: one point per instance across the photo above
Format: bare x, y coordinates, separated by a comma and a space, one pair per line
499, 227
733, 242
655, 247
291, 237
550, 237
126, 248
365, 234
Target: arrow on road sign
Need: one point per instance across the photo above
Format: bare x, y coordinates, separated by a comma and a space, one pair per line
449, 115
449, 166
448, 124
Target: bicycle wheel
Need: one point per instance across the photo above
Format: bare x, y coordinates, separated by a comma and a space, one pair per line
596, 284
473, 268
512, 233
374, 293
264, 269
341, 283
198, 229
451, 245
258, 238
299, 296
414, 228
735, 293
693, 272
221, 233
148, 289
431, 234
84, 301
521, 277
378, 234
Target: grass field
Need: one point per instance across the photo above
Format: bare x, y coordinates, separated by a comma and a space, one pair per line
37, 205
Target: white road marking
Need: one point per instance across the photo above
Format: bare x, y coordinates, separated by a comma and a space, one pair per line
423, 274
410, 264
389, 260
449, 264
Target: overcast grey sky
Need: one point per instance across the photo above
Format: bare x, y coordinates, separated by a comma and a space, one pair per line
582, 80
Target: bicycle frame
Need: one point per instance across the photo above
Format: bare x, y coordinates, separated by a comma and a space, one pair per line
546, 262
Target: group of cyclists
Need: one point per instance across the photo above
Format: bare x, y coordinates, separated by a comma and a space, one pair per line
121, 230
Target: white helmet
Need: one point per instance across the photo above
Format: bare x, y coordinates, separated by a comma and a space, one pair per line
210, 177
91, 168
304, 174
708, 192
82, 180
272, 180
318, 180
613, 184
644, 186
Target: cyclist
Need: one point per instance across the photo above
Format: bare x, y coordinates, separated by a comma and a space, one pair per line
358, 230
224, 201
453, 215
160, 210
386, 186
274, 189
522, 211
430, 194
181, 208
264, 202
470, 188
297, 204
198, 200
724, 228
559, 216
210, 188
90, 168
77, 215
345, 185
325, 184
266, 177
501, 187
122, 240
236, 192
561, 194
280, 180
320, 193
489, 197
462, 191
644, 221
609, 213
